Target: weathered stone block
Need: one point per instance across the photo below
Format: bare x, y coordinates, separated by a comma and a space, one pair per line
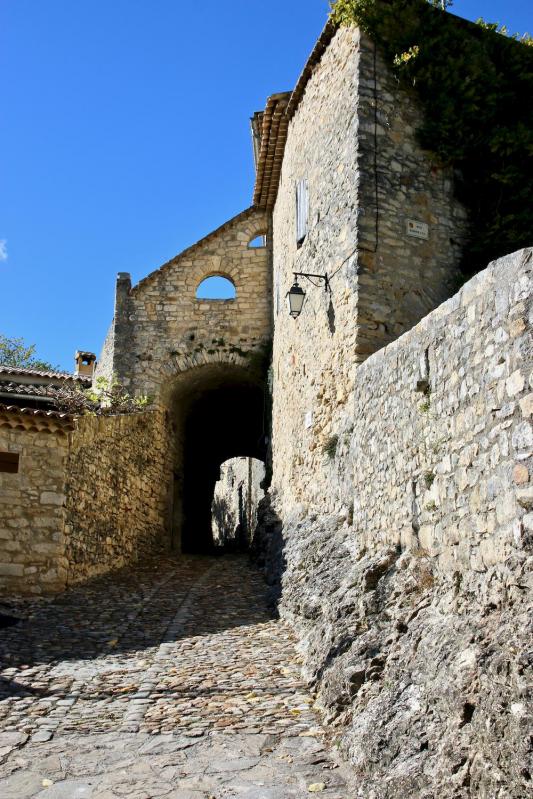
11, 569
52, 498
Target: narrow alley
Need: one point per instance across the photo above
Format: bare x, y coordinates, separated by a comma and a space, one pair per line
168, 681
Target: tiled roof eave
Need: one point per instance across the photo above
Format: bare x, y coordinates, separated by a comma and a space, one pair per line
21, 371
35, 420
42, 391
273, 137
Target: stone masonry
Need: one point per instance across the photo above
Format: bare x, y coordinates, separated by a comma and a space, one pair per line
352, 136
235, 500
160, 329
32, 504
406, 544
397, 529
118, 497
90, 495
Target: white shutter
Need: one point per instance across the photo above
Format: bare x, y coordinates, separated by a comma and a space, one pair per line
302, 209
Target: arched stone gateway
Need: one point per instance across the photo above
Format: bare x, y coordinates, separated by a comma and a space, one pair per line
218, 411
203, 360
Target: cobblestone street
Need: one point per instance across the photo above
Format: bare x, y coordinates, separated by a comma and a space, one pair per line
170, 680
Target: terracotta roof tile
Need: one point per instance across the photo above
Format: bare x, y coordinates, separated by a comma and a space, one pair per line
20, 370
35, 420
274, 126
30, 389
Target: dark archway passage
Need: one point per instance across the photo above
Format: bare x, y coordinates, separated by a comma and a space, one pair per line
219, 413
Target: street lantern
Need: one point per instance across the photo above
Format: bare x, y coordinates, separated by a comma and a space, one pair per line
296, 295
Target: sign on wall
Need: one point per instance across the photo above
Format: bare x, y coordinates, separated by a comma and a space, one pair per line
419, 230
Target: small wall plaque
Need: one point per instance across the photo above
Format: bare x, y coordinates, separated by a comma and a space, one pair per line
308, 421
419, 230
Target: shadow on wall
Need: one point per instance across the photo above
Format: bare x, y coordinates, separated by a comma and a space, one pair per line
232, 535
268, 550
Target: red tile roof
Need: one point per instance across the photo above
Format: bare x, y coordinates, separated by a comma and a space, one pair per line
274, 124
35, 420
22, 370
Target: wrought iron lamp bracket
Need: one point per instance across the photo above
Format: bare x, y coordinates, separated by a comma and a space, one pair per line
310, 277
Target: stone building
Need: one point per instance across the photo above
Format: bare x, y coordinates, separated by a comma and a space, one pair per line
201, 360
78, 495
393, 414
374, 214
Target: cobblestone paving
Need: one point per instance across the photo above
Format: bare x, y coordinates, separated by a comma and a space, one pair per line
171, 681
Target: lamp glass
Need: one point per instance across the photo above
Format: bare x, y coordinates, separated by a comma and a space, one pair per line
296, 297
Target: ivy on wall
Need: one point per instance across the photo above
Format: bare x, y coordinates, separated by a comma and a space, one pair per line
475, 83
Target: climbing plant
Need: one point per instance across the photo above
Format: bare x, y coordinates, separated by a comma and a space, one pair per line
475, 84
106, 398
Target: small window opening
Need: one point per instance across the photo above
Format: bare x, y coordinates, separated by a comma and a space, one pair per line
302, 211
9, 462
216, 288
257, 243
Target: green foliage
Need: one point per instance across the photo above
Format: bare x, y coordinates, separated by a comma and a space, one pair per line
113, 398
104, 399
495, 27
475, 86
429, 479
330, 447
16, 353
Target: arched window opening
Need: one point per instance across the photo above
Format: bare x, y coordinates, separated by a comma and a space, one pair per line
216, 287
258, 242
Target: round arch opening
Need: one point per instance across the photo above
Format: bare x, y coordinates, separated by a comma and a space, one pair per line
236, 497
216, 287
219, 413
259, 242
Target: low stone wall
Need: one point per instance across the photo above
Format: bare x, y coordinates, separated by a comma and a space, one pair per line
440, 449
32, 510
405, 541
118, 492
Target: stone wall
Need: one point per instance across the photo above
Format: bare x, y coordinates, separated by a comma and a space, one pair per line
179, 349
118, 492
405, 535
32, 511
236, 497
353, 137
104, 364
400, 277
91, 495
160, 329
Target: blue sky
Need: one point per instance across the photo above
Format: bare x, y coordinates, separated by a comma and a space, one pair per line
125, 138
